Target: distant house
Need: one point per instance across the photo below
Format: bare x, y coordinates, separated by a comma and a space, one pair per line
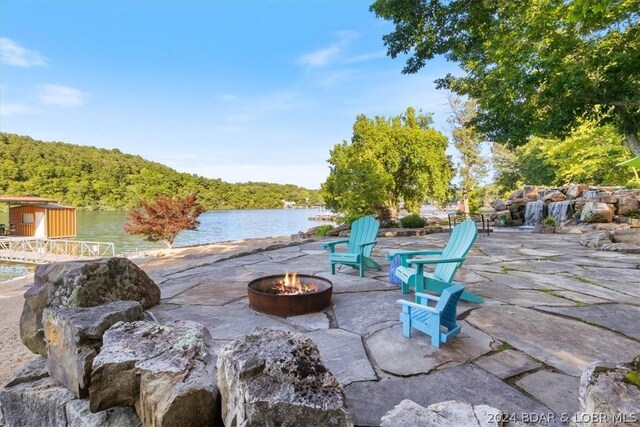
39, 217
288, 204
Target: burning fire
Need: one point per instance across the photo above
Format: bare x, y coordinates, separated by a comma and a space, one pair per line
291, 285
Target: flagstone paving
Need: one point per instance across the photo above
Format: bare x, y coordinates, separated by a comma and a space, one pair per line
551, 307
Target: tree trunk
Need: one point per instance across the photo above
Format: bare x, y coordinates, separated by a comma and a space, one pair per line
630, 125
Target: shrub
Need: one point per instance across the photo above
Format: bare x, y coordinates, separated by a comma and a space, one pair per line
323, 230
413, 221
635, 213
633, 183
549, 221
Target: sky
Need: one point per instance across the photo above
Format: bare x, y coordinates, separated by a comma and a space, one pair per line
237, 90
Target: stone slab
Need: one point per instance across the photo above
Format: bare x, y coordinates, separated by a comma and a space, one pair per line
580, 297
548, 267
520, 297
212, 293
223, 322
621, 280
516, 282
537, 253
567, 345
344, 355
343, 283
311, 321
370, 400
402, 356
617, 317
507, 363
557, 391
364, 313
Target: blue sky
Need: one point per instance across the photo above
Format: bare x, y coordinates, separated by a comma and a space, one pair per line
238, 90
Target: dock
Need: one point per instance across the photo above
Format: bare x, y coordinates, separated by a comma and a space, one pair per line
31, 250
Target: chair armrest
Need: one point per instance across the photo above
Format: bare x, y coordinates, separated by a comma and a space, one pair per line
391, 254
423, 261
326, 245
418, 306
427, 296
367, 244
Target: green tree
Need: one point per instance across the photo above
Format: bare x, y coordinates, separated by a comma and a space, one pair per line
389, 161
469, 143
535, 67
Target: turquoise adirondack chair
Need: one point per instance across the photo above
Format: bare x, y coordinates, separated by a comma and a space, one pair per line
448, 261
364, 232
431, 320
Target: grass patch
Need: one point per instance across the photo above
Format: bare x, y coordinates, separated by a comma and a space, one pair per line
633, 377
504, 346
323, 230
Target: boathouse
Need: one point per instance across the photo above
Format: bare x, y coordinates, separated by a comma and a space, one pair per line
38, 217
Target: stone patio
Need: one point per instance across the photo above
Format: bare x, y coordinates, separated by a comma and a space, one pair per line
551, 307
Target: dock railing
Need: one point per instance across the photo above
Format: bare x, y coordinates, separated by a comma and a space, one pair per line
42, 251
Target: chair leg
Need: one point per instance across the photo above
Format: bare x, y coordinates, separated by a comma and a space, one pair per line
361, 269
333, 267
435, 340
406, 321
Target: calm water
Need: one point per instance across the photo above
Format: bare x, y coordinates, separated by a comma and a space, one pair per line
215, 226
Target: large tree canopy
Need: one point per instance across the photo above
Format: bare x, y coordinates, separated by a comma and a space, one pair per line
388, 161
535, 67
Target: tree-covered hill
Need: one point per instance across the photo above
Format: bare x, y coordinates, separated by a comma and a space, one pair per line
97, 178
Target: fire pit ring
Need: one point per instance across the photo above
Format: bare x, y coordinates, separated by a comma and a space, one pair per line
284, 305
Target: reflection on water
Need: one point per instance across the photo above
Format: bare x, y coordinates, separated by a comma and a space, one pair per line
215, 226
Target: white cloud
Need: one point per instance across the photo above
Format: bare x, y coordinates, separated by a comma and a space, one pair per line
13, 54
15, 109
379, 54
325, 56
64, 96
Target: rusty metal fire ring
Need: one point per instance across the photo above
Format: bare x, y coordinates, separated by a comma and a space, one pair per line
289, 305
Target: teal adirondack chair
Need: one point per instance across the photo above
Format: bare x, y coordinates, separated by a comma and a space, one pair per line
431, 320
448, 261
364, 232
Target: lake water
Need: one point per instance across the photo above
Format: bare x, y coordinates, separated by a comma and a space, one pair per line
215, 226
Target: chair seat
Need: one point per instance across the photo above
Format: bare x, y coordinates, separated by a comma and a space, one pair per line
344, 257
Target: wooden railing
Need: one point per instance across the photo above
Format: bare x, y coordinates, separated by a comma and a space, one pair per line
42, 251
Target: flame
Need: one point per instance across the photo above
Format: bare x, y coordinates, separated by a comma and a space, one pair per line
291, 285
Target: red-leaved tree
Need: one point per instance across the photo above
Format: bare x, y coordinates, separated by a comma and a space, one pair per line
164, 217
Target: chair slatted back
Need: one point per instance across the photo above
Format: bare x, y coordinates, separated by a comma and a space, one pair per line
363, 230
447, 305
462, 238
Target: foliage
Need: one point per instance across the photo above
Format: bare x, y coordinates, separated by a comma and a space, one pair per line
589, 154
469, 143
412, 221
633, 377
633, 183
94, 178
501, 217
164, 217
535, 67
549, 221
634, 213
323, 229
388, 161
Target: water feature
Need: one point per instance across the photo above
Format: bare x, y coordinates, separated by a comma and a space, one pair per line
590, 194
560, 211
534, 212
215, 226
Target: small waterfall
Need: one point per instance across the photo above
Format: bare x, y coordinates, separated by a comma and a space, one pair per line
541, 194
560, 211
534, 213
590, 194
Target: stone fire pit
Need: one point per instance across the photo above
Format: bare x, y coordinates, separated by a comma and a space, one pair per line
289, 295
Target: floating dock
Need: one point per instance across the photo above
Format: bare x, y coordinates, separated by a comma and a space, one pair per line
43, 251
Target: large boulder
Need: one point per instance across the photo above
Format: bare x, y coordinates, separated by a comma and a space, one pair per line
449, 414
82, 284
499, 205
596, 212
575, 190
272, 377
609, 395
166, 371
530, 192
554, 196
74, 338
627, 204
33, 398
